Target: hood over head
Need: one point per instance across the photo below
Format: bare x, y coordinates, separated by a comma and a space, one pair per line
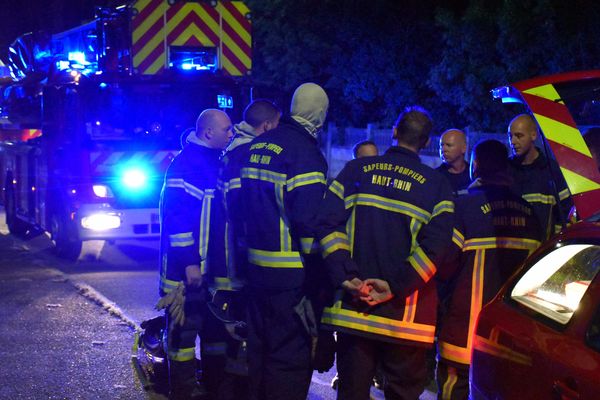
309, 107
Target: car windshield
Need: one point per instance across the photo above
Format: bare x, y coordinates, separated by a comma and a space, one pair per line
555, 285
582, 98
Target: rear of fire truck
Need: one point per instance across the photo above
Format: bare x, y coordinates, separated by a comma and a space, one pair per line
94, 115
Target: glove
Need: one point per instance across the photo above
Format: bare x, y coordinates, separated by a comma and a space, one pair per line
174, 302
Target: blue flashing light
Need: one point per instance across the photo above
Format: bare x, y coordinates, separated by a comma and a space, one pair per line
78, 57
187, 66
134, 178
103, 85
63, 65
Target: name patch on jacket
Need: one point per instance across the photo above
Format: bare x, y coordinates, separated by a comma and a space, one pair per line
399, 169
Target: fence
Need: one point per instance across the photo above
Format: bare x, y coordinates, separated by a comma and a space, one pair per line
340, 140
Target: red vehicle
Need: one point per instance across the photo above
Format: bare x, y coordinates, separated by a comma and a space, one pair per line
94, 115
540, 337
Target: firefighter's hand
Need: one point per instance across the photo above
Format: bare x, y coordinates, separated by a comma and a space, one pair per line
379, 292
355, 287
193, 275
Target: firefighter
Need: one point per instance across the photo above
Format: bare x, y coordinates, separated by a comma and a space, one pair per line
228, 251
453, 147
495, 230
386, 222
366, 148
283, 182
537, 177
185, 206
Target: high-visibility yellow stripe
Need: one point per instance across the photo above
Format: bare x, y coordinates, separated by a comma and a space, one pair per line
235, 25
263, 175
192, 31
167, 285
309, 245
578, 183
500, 243
384, 203
563, 194
186, 354
566, 135
150, 20
337, 188
448, 386
275, 259
161, 61
338, 316
458, 238
539, 198
241, 55
547, 92
458, 354
221, 283
229, 66
422, 264
305, 179
443, 206
333, 242
495, 349
234, 183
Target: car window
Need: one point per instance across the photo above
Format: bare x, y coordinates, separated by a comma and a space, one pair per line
555, 284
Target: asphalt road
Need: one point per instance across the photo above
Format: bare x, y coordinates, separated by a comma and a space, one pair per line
68, 327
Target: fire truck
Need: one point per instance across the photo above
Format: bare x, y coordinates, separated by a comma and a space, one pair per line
93, 115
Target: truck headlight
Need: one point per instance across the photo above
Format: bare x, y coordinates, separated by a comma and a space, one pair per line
102, 191
101, 222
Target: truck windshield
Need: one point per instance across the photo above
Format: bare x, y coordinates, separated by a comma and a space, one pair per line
153, 115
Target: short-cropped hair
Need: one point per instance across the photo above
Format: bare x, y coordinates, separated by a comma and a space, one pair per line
491, 156
414, 126
259, 111
361, 144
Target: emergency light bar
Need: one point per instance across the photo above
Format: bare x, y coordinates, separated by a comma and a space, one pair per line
186, 58
506, 94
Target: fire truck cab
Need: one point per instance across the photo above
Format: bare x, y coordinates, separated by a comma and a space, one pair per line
94, 115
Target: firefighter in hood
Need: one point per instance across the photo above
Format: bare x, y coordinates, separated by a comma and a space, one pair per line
495, 230
283, 182
185, 212
386, 222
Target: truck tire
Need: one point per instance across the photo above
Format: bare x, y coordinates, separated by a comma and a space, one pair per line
63, 234
15, 226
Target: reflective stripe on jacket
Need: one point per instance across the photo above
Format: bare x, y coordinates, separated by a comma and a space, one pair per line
388, 217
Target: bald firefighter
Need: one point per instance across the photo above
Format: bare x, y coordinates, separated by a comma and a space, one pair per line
283, 182
453, 147
385, 223
185, 212
537, 178
495, 230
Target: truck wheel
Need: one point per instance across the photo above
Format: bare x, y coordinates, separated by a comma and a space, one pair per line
63, 234
16, 226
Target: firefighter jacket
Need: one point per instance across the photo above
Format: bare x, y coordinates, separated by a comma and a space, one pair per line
388, 217
495, 230
540, 183
283, 182
185, 212
228, 251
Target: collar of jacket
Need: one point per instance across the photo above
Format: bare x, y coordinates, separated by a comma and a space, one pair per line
501, 179
402, 151
201, 147
244, 133
296, 126
539, 163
